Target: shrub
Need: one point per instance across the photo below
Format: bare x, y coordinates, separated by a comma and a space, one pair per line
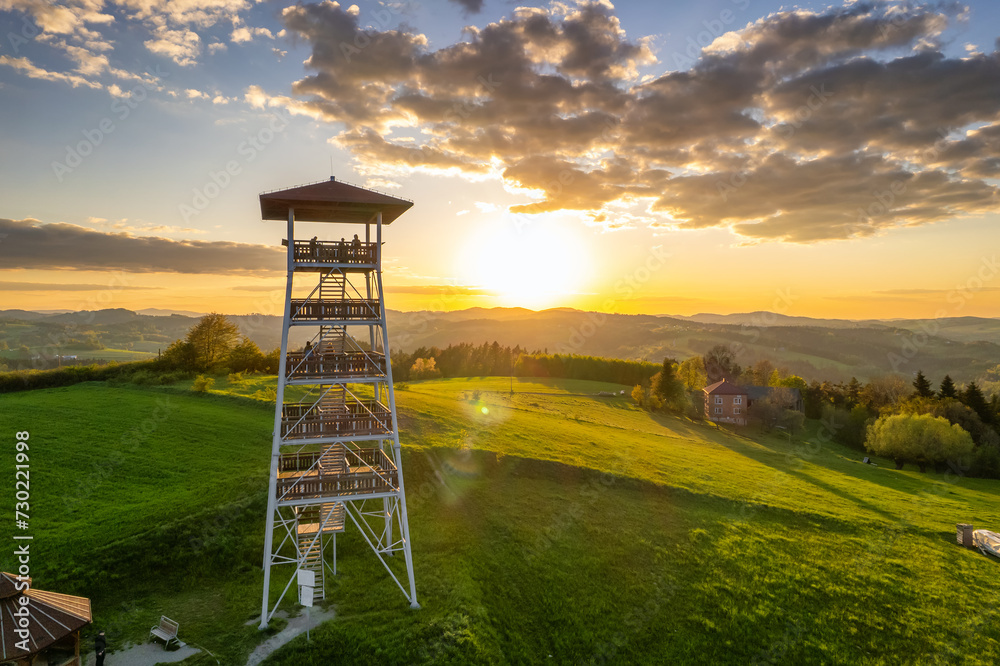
922, 439
202, 383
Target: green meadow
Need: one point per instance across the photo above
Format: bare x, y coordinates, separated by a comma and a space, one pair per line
549, 526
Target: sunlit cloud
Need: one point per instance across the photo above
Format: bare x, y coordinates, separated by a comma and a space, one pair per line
803, 126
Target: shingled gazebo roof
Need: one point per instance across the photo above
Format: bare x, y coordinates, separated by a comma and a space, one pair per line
331, 201
54, 616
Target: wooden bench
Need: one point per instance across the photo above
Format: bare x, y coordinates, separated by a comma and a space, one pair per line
166, 631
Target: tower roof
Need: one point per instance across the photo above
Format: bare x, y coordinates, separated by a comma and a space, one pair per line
331, 201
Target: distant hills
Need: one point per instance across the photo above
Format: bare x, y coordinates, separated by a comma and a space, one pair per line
834, 349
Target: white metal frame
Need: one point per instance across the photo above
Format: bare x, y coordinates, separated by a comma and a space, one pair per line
376, 521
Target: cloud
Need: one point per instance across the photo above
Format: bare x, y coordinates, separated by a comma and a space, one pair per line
243, 34
30, 244
70, 18
47, 286
470, 6
30, 70
181, 46
277, 287
803, 126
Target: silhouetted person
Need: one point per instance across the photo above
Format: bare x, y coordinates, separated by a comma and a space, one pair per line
100, 647
342, 251
314, 248
356, 243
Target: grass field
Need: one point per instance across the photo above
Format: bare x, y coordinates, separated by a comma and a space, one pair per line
543, 523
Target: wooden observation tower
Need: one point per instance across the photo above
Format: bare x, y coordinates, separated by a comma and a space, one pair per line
335, 456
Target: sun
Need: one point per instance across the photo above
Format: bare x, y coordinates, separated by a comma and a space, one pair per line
537, 264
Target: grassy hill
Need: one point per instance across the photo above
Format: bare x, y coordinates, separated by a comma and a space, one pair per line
551, 522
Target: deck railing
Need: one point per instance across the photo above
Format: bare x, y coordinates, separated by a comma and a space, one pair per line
373, 457
334, 252
347, 309
333, 485
303, 365
303, 421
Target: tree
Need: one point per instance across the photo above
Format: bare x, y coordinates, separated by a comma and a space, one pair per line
720, 363
792, 381
692, 373
424, 368
761, 372
947, 388
919, 438
923, 386
180, 355
974, 399
667, 387
883, 391
246, 357
213, 337
792, 420
768, 411
639, 395
853, 392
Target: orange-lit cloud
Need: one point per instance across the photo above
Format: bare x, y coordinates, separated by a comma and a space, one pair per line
801, 127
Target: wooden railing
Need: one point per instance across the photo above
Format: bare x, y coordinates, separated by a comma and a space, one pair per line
334, 365
301, 421
371, 456
334, 252
333, 485
341, 310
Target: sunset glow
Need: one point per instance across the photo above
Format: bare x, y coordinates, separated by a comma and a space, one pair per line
846, 151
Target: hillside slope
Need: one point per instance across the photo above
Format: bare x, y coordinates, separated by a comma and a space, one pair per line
552, 523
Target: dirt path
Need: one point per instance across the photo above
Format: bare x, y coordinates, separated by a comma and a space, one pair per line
144, 655
296, 626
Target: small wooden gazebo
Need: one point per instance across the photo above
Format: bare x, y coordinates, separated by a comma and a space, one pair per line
54, 621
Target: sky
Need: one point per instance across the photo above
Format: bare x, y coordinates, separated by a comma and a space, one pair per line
812, 159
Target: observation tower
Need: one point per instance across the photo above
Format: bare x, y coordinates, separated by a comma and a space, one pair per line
335, 455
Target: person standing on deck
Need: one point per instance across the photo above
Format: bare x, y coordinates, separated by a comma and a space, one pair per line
100, 647
314, 248
342, 252
356, 243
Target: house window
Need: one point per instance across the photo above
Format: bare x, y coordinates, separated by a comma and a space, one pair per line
738, 400
718, 410
718, 399
736, 410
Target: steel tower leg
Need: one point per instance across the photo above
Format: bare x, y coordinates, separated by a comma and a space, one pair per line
397, 453
272, 481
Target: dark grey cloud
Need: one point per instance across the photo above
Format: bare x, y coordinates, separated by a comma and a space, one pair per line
45, 286
802, 126
31, 244
470, 6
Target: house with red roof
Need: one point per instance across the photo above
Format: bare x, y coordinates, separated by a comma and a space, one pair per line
726, 402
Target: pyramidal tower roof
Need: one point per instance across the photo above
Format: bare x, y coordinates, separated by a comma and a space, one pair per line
331, 201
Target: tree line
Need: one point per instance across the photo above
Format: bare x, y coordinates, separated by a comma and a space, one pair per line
493, 360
